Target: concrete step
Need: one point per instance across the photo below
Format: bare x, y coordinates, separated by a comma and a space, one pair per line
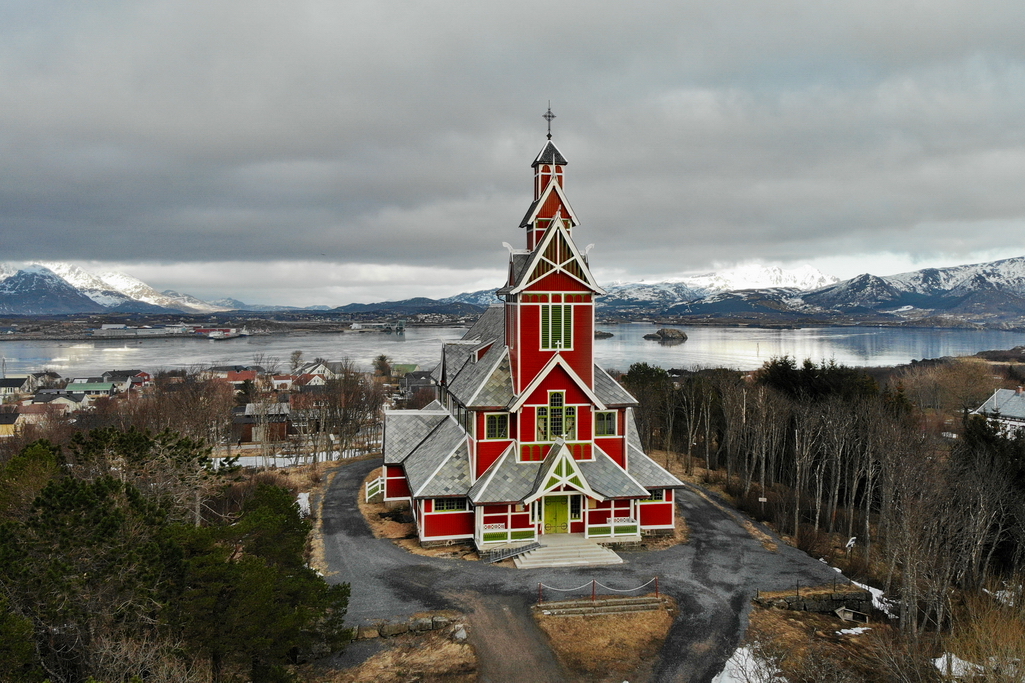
606, 602
572, 608
567, 556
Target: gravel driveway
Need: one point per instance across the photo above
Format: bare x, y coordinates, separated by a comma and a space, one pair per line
713, 577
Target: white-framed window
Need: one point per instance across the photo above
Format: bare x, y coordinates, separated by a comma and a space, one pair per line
449, 504
605, 423
656, 495
574, 508
496, 426
556, 327
556, 419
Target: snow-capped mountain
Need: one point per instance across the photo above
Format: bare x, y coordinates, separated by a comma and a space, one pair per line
6, 270
90, 285
756, 276
37, 290
672, 292
140, 291
1006, 275
46, 287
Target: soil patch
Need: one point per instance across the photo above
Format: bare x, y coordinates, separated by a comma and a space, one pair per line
432, 658
608, 647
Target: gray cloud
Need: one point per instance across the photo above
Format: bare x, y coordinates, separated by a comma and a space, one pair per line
400, 134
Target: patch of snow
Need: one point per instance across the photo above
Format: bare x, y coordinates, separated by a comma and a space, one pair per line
957, 667
303, 499
743, 667
1005, 597
856, 631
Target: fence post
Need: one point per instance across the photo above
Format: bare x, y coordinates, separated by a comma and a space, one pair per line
539, 593
594, 589
798, 586
656, 586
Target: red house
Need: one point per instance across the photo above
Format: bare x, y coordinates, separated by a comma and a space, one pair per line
528, 436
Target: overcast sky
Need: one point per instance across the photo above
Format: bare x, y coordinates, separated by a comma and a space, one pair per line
328, 152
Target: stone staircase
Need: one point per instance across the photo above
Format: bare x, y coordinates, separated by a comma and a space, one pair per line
566, 550
604, 605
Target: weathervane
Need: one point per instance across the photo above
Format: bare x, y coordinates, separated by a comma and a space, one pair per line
548, 116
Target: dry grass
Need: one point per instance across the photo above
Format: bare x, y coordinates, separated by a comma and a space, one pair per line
810, 591
431, 658
607, 647
808, 646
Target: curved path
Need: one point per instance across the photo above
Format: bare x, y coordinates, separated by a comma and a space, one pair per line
713, 577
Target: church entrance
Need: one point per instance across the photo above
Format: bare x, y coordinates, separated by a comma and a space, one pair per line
556, 514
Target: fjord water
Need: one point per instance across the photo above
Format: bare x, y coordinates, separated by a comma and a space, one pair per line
733, 347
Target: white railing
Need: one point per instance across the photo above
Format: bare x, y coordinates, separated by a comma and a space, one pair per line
374, 487
614, 527
499, 533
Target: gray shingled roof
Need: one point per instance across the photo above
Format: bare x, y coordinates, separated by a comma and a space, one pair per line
490, 326
405, 429
497, 390
549, 154
610, 391
506, 481
473, 374
518, 262
1006, 402
530, 212
649, 473
427, 458
453, 479
607, 478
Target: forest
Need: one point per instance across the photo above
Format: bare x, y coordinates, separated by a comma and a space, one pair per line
125, 556
885, 474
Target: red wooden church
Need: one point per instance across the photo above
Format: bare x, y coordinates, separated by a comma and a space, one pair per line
528, 436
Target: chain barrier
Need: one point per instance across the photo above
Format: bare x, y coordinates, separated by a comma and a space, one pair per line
593, 583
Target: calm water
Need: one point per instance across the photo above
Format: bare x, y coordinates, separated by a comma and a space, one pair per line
740, 348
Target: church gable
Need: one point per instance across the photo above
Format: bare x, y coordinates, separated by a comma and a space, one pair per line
557, 253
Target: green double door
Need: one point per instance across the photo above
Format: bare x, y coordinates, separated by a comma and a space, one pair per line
556, 514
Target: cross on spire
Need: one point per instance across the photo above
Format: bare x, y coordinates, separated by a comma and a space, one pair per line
548, 116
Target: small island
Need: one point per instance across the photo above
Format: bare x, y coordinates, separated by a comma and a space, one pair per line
668, 335
602, 334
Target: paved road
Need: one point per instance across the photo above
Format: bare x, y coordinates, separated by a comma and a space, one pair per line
713, 577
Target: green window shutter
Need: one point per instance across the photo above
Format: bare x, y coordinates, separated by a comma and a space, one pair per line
567, 327
546, 326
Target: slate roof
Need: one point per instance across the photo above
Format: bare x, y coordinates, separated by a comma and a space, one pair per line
404, 430
646, 471
432, 453
489, 327
497, 390
1007, 402
8, 418
607, 478
518, 262
506, 481
609, 390
649, 473
453, 479
484, 382
549, 154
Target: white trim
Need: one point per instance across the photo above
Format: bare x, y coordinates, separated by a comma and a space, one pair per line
539, 250
543, 197
489, 473
563, 454
508, 425
556, 360
416, 494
